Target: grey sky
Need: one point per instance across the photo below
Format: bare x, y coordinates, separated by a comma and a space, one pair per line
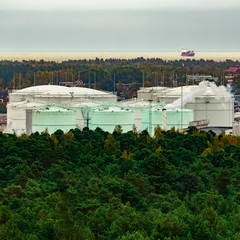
126, 25
116, 4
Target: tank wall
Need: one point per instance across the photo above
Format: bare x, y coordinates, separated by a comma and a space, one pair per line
236, 129
28, 121
109, 120
175, 119
138, 119
166, 99
13, 97
179, 119
219, 112
53, 121
60, 99
16, 119
79, 119
9, 115
145, 119
144, 95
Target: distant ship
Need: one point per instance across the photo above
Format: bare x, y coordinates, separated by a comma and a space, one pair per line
187, 53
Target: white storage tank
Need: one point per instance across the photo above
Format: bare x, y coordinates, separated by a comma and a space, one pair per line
107, 118
53, 118
17, 116
60, 95
208, 101
219, 112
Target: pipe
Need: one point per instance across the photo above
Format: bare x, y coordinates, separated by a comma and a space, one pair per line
164, 119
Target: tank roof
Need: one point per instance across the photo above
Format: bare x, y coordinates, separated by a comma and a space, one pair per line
139, 103
54, 108
204, 89
26, 104
55, 89
112, 109
177, 109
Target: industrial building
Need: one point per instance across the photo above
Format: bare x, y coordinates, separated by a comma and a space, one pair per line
208, 101
40, 107
58, 107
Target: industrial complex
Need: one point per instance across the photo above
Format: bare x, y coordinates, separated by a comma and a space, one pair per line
54, 107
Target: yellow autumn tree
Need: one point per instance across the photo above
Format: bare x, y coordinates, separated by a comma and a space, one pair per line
111, 144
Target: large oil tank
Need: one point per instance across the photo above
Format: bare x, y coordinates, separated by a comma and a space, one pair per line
138, 107
17, 116
53, 118
207, 100
82, 109
219, 111
107, 118
178, 118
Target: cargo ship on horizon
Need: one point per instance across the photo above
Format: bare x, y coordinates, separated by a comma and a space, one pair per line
187, 53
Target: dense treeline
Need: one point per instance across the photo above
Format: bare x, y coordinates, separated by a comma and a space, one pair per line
95, 185
100, 73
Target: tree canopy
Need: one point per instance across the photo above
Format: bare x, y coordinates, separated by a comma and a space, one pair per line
99, 185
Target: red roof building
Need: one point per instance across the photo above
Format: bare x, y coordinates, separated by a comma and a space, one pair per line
233, 69
232, 74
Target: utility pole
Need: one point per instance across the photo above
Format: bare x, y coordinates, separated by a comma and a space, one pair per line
163, 79
88, 118
19, 81
94, 80
114, 83
143, 78
34, 79
181, 107
150, 117
89, 75
14, 81
57, 78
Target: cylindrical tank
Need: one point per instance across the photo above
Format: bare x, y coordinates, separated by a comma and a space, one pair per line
208, 101
53, 118
219, 111
16, 118
82, 109
138, 107
109, 117
178, 118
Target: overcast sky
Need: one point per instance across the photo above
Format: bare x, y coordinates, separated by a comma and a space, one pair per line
123, 25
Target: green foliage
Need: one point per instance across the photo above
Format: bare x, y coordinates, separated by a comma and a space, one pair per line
100, 186
128, 73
